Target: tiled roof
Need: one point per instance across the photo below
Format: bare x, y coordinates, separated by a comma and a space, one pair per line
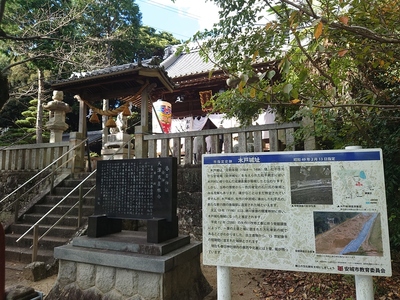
185, 64
107, 71
175, 65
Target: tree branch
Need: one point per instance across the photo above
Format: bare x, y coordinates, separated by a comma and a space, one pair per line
2, 8
359, 30
5, 36
42, 56
273, 9
348, 105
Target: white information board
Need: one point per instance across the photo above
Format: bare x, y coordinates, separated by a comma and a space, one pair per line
312, 211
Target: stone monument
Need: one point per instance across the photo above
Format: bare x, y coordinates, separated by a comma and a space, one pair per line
56, 123
111, 263
141, 189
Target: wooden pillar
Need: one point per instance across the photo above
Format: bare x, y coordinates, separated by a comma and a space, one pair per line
290, 143
273, 140
309, 141
141, 146
82, 117
144, 108
104, 134
39, 114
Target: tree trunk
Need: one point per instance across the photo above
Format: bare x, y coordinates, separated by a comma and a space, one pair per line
39, 116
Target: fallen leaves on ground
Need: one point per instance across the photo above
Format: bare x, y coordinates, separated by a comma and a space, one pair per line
282, 285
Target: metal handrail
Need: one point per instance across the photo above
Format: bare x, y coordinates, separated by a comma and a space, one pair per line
39, 173
55, 206
68, 211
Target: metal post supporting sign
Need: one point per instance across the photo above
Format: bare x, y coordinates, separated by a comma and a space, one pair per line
364, 287
364, 284
223, 283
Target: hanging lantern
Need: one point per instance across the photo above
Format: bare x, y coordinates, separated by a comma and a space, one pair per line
126, 112
94, 118
111, 123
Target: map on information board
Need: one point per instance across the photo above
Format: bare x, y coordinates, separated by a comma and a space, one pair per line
312, 211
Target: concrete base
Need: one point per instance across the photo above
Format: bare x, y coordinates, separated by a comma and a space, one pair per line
159, 230
116, 153
125, 266
117, 142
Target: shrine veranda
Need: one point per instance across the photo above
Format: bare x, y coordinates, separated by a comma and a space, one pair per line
312, 211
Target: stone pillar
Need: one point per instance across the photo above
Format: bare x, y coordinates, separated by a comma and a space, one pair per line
78, 160
56, 123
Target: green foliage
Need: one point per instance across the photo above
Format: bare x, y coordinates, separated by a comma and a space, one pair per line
152, 43
16, 136
320, 59
111, 28
70, 36
63, 37
335, 63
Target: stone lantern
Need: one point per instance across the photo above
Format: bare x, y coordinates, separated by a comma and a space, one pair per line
56, 123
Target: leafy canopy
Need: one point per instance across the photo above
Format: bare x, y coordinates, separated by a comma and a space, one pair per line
61, 37
335, 62
326, 56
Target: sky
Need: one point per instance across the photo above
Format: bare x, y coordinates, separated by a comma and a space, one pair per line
182, 18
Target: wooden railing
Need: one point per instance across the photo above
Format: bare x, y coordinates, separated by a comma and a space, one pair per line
182, 145
43, 182
32, 157
238, 139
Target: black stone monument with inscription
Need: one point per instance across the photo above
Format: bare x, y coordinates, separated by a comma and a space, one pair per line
139, 189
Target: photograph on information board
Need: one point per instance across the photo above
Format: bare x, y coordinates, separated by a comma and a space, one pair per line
348, 233
311, 185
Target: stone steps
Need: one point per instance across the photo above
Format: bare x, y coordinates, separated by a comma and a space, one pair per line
21, 252
20, 228
24, 255
41, 209
47, 242
72, 199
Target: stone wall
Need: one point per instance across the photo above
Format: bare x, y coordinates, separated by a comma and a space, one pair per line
9, 181
190, 201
